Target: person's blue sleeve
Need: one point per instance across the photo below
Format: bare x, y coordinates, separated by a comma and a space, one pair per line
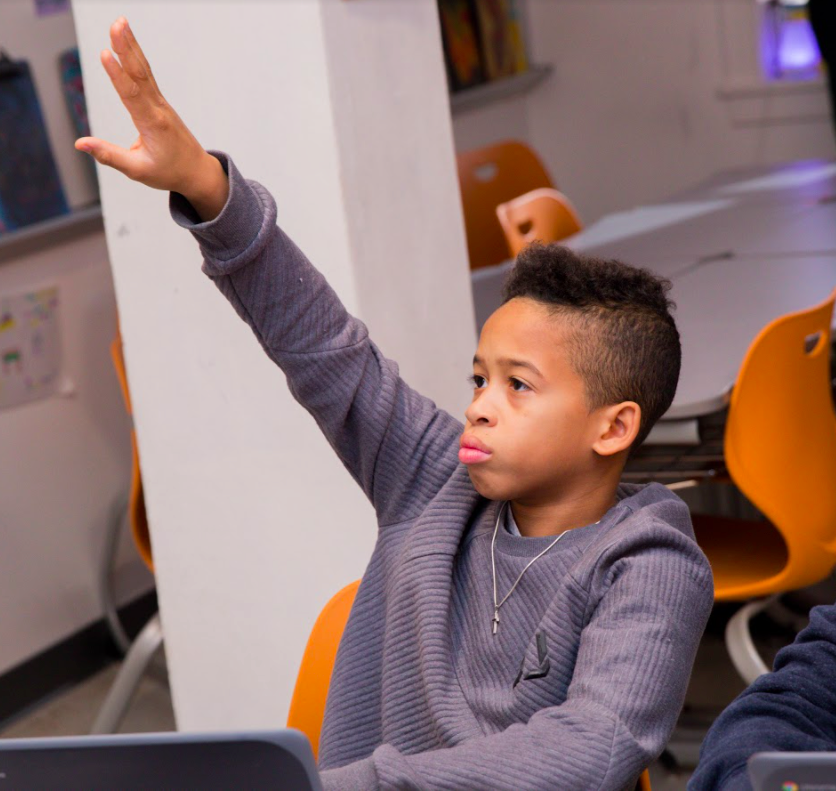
792, 709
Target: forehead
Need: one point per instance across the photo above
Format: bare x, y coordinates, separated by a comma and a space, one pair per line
525, 329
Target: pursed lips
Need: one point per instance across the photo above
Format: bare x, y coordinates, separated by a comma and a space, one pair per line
472, 451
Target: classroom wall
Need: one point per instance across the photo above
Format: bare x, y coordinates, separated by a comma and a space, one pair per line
65, 460
648, 97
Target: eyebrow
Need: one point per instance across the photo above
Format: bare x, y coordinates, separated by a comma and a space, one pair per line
511, 363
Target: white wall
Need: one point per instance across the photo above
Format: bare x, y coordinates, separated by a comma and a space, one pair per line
503, 120
65, 461
255, 522
650, 96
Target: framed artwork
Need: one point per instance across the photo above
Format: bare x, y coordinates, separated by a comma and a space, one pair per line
500, 33
30, 189
461, 43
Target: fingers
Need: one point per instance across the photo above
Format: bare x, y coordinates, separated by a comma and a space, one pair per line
130, 55
131, 75
127, 89
136, 52
110, 155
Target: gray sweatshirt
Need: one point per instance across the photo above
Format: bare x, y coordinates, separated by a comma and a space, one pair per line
582, 684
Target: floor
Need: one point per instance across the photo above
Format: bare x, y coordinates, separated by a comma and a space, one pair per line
713, 685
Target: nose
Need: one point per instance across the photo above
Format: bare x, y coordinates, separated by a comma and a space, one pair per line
482, 410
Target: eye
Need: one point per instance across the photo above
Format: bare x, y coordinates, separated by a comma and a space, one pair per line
477, 381
517, 385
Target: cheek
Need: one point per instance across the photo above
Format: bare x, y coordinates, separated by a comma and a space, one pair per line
557, 429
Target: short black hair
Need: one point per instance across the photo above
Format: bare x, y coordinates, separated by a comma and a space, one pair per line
625, 345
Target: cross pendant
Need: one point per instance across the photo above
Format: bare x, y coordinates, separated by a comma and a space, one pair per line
495, 621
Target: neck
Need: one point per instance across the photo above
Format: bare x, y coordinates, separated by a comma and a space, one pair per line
535, 517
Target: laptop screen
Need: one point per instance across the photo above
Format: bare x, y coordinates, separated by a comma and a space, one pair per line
277, 760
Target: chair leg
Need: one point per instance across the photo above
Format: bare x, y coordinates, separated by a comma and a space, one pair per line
118, 518
127, 679
741, 648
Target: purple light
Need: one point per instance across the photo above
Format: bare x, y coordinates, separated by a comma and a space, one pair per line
798, 50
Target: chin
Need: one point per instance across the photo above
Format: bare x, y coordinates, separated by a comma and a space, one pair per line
488, 485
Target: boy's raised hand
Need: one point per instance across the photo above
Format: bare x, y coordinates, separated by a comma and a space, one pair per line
166, 154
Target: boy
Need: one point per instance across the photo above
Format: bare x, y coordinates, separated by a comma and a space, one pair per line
525, 621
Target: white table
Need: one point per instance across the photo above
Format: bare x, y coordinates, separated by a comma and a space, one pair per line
741, 249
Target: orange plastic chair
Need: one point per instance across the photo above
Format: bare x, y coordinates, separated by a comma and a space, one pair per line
139, 653
780, 449
490, 176
543, 215
307, 706
136, 501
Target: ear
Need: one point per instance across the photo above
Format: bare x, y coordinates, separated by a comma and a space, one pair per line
618, 427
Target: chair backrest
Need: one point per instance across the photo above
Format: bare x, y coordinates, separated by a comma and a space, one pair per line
780, 441
136, 499
490, 176
307, 706
543, 215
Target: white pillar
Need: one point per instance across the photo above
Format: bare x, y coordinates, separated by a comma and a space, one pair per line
339, 107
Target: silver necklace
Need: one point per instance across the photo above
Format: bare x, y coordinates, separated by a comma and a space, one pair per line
498, 604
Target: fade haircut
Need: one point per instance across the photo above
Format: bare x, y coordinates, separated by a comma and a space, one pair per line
622, 340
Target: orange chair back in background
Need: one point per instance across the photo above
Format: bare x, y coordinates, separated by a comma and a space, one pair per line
307, 706
136, 499
780, 449
489, 176
543, 215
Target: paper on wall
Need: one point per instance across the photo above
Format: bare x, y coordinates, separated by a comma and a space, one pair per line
30, 348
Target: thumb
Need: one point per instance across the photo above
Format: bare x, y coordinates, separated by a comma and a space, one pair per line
108, 154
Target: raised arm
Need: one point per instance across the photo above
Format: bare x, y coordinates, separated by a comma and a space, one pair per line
396, 443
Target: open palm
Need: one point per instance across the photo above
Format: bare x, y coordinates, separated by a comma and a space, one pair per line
166, 155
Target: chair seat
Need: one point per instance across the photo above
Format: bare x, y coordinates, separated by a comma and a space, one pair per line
743, 554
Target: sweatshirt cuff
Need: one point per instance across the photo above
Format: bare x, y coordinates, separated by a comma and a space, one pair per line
239, 233
359, 776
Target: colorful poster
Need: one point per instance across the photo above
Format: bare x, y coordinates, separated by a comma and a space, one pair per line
500, 31
30, 346
30, 189
461, 43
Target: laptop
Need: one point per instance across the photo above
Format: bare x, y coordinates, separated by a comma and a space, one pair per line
279, 760
792, 771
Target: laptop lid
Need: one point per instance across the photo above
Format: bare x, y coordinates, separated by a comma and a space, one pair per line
793, 771
279, 760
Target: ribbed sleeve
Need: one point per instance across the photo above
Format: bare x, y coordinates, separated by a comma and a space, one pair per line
382, 430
